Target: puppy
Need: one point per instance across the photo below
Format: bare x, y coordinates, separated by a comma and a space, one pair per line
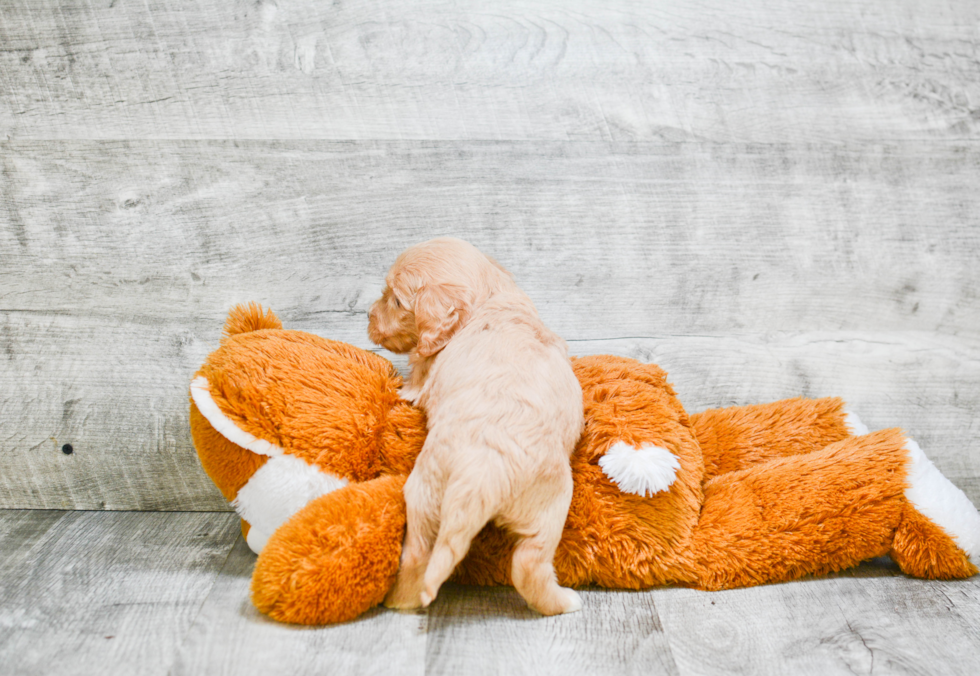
504, 413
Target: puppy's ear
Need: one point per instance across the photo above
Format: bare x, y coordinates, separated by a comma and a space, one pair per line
440, 311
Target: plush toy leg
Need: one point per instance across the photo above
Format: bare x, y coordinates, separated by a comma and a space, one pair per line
335, 558
939, 536
736, 438
820, 512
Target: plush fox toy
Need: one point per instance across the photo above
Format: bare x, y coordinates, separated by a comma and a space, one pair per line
311, 443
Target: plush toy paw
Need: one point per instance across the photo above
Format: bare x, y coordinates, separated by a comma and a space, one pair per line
942, 502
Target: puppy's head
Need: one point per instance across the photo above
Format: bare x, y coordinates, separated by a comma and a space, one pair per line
429, 294
391, 322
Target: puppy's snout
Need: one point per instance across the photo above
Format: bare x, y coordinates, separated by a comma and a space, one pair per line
374, 330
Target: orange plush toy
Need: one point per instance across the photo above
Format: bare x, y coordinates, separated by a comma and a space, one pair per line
311, 443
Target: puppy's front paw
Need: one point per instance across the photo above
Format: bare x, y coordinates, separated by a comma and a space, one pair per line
409, 394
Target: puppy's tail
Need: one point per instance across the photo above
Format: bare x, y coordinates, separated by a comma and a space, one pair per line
465, 512
250, 317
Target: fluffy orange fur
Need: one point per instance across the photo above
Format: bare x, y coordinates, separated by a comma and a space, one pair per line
735, 439
764, 493
285, 387
359, 570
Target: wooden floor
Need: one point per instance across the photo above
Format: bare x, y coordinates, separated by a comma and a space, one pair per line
767, 198
167, 593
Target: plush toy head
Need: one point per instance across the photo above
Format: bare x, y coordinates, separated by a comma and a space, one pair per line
310, 442
281, 417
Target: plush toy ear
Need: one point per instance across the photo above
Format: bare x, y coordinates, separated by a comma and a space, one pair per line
440, 311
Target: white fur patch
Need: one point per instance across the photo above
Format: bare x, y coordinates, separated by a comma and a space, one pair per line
853, 423
641, 471
278, 489
256, 539
201, 394
943, 503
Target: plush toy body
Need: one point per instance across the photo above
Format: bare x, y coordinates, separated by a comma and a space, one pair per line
309, 440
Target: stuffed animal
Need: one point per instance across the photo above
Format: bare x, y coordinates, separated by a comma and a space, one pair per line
311, 443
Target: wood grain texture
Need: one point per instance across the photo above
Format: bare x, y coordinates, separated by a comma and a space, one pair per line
231, 637
104, 593
609, 240
475, 630
767, 199
123, 406
118, 394
753, 273
866, 621
924, 383
152, 593
618, 70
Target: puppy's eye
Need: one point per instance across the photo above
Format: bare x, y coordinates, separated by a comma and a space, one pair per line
398, 303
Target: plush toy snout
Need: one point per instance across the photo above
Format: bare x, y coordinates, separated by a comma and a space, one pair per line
342, 550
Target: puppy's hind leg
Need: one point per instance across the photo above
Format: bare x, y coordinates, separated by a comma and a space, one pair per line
422, 505
466, 508
532, 568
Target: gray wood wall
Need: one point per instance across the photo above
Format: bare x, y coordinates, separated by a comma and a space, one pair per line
766, 200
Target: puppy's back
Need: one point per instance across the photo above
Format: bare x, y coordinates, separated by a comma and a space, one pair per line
506, 378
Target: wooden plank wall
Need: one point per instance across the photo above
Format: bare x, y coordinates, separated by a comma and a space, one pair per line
837, 72
767, 201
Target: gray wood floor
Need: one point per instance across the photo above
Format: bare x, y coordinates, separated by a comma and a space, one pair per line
766, 198
167, 593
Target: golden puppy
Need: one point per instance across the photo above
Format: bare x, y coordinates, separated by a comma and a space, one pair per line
504, 413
